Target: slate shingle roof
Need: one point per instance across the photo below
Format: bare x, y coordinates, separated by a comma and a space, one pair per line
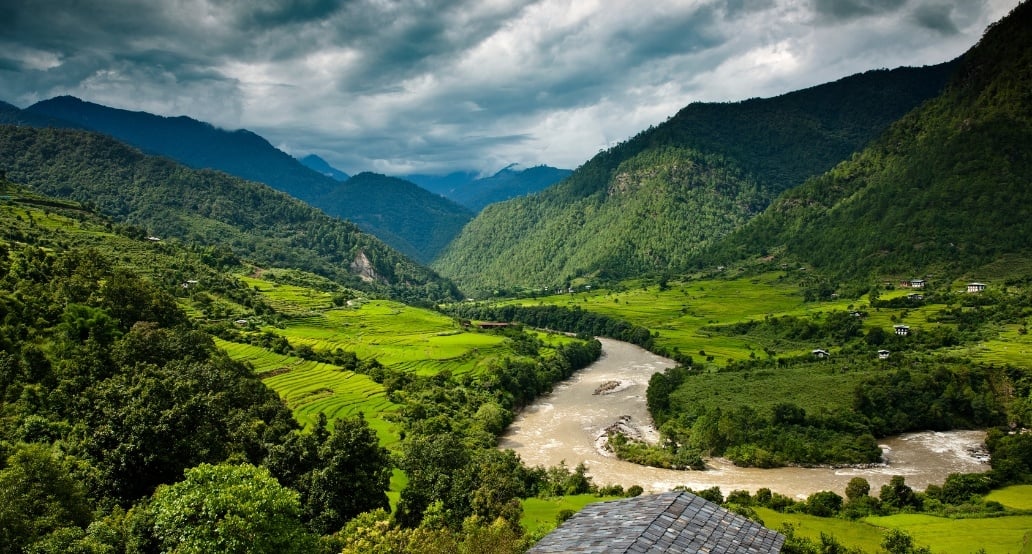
667, 522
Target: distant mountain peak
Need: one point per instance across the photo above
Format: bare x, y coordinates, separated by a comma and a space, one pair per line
315, 163
514, 167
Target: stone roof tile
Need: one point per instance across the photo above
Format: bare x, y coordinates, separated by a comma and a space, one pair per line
659, 523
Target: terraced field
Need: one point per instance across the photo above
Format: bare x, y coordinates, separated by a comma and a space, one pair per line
398, 336
310, 388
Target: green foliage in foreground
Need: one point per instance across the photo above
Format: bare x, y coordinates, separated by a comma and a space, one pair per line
110, 396
232, 509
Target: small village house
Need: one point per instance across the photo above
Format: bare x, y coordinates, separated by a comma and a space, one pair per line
975, 287
902, 330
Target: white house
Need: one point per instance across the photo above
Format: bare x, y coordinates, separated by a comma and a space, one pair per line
902, 330
975, 287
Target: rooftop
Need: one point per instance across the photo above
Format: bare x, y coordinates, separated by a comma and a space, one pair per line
667, 522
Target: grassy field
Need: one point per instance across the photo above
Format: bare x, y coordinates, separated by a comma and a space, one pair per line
995, 535
806, 386
398, 336
680, 314
856, 534
1017, 497
998, 534
539, 514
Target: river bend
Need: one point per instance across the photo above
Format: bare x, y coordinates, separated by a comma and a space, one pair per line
566, 425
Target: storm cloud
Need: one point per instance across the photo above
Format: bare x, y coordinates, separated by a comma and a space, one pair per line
400, 86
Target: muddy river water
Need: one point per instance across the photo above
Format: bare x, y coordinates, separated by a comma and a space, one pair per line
566, 425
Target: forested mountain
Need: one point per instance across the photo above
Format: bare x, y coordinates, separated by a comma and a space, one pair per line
653, 202
399, 221
475, 194
315, 163
945, 189
13, 115
238, 217
382, 206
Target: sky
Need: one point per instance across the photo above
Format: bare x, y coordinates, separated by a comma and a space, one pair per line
423, 86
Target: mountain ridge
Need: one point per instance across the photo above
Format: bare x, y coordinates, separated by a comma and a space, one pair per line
247, 155
943, 190
475, 193
170, 200
764, 146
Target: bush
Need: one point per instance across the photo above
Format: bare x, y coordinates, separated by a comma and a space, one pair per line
823, 504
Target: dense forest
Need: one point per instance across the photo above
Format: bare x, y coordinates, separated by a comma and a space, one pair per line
944, 190
395, 211
648, 205
171, 201
383, 206
124, 429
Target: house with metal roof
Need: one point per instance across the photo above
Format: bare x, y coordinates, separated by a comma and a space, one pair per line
657, 523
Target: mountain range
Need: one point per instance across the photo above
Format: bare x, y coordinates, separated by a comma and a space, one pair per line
232, 216
476, 193
888, 172
944, 191
369, 202
315, 163
650, 205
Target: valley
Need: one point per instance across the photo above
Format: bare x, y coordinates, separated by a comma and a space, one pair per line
811, 309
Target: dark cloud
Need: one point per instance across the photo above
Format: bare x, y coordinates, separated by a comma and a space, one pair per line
937, 17
266, 13
836, 10
438, 85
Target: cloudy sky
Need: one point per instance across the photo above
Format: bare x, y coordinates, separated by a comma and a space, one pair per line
407, 86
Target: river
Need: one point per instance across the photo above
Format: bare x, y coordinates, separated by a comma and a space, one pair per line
566, 426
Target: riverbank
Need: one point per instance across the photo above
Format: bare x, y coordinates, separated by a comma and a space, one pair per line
564, 426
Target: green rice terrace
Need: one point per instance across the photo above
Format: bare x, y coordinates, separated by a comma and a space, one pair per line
401, 338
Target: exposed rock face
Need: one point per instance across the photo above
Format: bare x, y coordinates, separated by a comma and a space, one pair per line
364, 268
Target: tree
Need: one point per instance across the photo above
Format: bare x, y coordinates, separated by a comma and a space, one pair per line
959, 487
856, 488
437, 468
229, 508
38, 495
823, 504
501, 481
899, 542
352, 476
897, 494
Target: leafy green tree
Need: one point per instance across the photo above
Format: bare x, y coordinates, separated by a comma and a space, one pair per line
960, 487
501, 480
857, 488
438, 470
900, 542
823, 504
38, 495
352, 476
898, 495
230, 509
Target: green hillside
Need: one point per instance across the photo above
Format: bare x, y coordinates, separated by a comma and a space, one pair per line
415, 222
235, 217
395, 211
116, 399
649, 204
943, 192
